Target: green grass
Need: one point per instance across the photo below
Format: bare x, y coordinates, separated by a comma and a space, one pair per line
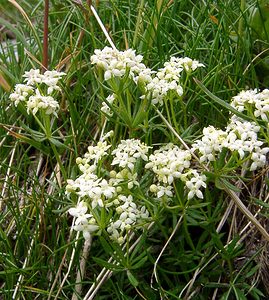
213, 251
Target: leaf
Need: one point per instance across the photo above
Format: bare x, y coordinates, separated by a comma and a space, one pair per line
261, 203
33, 142
113, 249
134, 282
221, 102
239, 294
252, 271
221, 183
58, 143
140, 263
36, 135
225, 296
110, 266
256, 293
4, 84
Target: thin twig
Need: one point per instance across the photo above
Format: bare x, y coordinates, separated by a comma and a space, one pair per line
103, 27
154, 273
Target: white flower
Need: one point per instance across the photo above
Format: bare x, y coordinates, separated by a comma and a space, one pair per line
169, 162
128, 151
262, 106
79, 210
97, 152
166, 79
86, 229
252, 99
37, 101
124, 176
117, 63
187, 63
258, 158
161, 191
107, 135
84, 222
242, 136
210, 144
129, 215
21, 93
33, 77
51, 78
194, 182
105, 108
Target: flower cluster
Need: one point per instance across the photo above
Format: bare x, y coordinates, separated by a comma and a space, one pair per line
256, 102
240, 137
211, 143
156, 84
129, 214
35, 94
106, 191
117, 63
127, 153
84, 222
168, 78
105, 108
169, 163
194, 182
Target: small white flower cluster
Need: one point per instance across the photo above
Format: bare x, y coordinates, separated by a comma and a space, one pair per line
84, 222
242, 136
257, 102
194, 182
129, 215
116, 63
127, 152
105, 108
239, 136
36, 93
170, 162
168, 78
211, 143
189, 65
109, 190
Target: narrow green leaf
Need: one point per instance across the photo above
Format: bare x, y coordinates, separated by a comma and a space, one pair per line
107, 265
132, 279
58, 143
220, 101
140, 263
113, 250
221, 183
239, 294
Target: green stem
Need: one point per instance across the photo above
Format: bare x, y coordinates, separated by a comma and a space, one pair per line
47, 127
184, 110
40, 124
167, 111
174, 115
